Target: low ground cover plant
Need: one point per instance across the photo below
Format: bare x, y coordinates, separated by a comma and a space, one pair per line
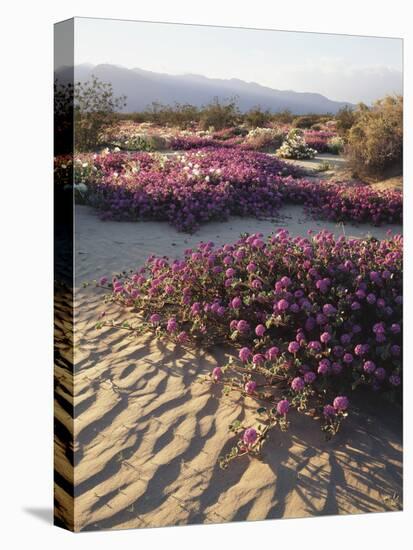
187, 189
213, 183
345, 201
308, 320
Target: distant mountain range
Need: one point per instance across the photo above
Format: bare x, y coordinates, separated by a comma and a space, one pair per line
144, 87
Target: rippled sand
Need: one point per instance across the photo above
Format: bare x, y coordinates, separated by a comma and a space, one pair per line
147, 436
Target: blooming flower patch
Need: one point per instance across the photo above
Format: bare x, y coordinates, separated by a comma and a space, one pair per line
213, 183
345, 201
187, 189
309, 321
320, 140
132, 136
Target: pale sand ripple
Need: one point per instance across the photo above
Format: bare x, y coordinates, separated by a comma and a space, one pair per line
148, 435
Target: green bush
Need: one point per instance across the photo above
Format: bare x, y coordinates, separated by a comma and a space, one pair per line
95, 106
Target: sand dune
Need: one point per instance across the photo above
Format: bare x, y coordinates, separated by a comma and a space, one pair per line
147, 436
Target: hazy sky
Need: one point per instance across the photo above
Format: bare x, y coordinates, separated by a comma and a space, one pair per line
345, 68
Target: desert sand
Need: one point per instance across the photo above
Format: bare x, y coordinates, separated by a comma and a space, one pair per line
148, 435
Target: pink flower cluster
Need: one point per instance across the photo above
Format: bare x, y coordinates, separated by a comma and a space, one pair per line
324, 319
318, 140
187, 189
214, 183
345, 201
185, 143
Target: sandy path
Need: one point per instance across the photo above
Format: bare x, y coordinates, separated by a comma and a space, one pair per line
147, 438
336, 162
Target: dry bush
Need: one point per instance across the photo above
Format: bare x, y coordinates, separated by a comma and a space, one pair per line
220, 115
375, 141
307, 121
345, 119
257, 118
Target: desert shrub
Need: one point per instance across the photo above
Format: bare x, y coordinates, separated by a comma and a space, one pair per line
375, 141
307, 121
261, 139
295, 147
335, 145
324, 166
136, 143
345, 118
256, 117
95, 105
219, 115
131, 117
308, 322
179, 115
144, 142
282, 117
